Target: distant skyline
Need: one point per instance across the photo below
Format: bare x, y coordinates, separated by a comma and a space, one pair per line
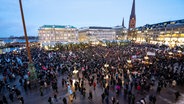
82, 13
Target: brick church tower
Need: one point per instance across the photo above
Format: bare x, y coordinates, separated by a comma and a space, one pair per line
132, 21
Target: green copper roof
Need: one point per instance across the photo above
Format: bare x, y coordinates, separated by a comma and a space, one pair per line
57, 26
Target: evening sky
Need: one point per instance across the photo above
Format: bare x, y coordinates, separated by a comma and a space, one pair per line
82, 13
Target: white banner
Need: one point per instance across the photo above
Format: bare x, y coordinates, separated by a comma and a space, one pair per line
151, 53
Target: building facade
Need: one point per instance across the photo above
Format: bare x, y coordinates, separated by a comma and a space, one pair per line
170, 33
51, 34
95, 34
121, 31
2, 43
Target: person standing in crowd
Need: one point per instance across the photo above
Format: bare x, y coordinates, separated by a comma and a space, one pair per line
41, 90
5, 100
117, 101
154, 99
177, 94
90, 95
107, 99
1, 101
133, 99
74, 95
94, 85
113, 100
103, 97
11, 96
50, 100
21, 100
64, 100
137, 75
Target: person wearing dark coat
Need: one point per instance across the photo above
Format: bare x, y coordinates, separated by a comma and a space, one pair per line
90, 95
11, 96
133, 99
64, 100
103, 97
21, 100
5, 100
177, 94
50, 100
113, 100
154, 99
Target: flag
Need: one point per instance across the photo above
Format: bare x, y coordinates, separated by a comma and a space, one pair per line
151, 53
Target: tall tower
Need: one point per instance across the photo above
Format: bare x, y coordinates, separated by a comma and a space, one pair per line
123, 25
132, 21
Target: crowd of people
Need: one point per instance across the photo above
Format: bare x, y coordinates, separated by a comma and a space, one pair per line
121, 69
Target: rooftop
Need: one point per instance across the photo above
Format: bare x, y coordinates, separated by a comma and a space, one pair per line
95, 27
57, 26
167, 24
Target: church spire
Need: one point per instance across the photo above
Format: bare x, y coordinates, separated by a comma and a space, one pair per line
123, 25
133, 10
132, 21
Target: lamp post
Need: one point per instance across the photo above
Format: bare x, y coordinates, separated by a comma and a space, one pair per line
30, 64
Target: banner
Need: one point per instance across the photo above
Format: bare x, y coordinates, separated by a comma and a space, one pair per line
151, 53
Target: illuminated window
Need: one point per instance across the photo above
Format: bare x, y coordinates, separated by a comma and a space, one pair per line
172, 22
